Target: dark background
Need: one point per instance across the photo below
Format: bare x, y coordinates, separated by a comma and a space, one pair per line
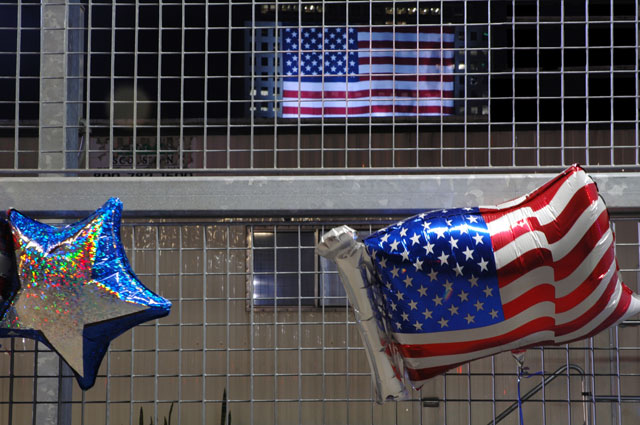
581, 55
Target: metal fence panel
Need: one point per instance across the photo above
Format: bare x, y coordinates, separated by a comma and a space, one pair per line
130, 88
299, 364
177, 108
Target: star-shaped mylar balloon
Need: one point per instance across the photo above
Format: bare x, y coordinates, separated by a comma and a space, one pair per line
77, 291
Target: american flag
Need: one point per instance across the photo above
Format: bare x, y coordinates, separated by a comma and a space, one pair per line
461, 284
373, 71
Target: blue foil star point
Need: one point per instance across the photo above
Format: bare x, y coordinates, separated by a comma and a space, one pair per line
77, 291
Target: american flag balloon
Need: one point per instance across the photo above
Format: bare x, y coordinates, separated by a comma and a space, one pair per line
445, 287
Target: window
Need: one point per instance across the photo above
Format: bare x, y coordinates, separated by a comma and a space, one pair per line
288, 273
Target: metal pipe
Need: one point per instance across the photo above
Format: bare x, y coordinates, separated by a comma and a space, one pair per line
538, 387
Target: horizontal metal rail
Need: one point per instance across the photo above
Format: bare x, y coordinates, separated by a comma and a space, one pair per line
616, 399
220, 196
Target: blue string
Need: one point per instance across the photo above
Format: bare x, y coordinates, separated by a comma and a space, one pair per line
523, 371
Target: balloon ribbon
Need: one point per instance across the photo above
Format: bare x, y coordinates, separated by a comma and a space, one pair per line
523, 372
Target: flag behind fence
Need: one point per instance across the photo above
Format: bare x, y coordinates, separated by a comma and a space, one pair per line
372, 71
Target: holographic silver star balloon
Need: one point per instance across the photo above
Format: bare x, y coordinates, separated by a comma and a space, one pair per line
77, 291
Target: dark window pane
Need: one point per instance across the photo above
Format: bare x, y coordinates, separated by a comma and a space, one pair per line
284, 270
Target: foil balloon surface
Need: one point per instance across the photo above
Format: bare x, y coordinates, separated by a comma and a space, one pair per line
9, 284
446, 287
76, 290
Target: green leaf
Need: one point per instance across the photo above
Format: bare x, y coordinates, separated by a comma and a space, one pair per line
170, 412
223, 410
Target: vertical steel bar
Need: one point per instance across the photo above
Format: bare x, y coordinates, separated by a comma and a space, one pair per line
159, 84
299, 324
514, 75
112, 64
229, 83
65, 387
370, 120
132, 359
252, 80
228, 353
444, 398
299, 138
88, 82
544, 387
301, 27
107, 401
275, 321
465, 50
134, 124
538, 89
205, 298
489, 77
253, 329
278, 75
16, 107
568, 380
156, 329
346, 117
493, 387
611, 87
469, 405
12, 373
441, 150
82, 407
586, 83
612, 365
442, 126
181, 244
618, 386
393, 72
347, 358
417, 96
182, 66
324, 362
562, 84
205, 118
592, 373
34, 411
637, 82
354, 70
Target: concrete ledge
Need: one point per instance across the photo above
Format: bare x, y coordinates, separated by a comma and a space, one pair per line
292, 195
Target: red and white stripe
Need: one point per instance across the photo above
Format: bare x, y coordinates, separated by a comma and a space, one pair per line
402, 71
557, 273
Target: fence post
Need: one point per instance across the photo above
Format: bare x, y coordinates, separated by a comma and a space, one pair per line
61, 56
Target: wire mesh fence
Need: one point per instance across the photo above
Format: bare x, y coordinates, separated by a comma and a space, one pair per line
294, 361
260, 329
201, 87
